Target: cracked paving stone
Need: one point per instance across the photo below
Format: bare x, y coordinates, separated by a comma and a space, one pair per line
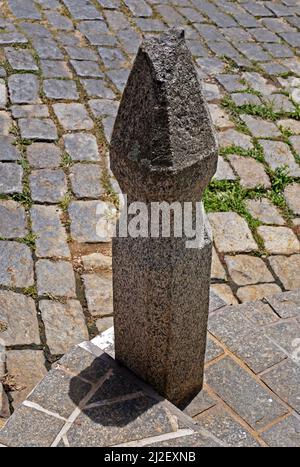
61, 89
20, 59
55, 69
286, 305
91, 221
284, 334
263, 210
27, 368
73, 116
279, 240
260, 128
8, 149
224, 292
243, 394
6, 123
82, 147
285, 433
284, 380
16, 267
48, 186
251, 293
231, 233
86, 68
23, 88
38, 129
19, 315
234, 138
86, 180
97, 88
64, 325
224, 171
292, 197
51, 238
43, 155
287, 270
12, 220
30, 111
222, 425
245, 270
252, 173
10, 178
278, 154
39, 429
98, 293
55, 278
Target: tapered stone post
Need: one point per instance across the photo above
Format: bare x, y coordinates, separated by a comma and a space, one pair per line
163, 149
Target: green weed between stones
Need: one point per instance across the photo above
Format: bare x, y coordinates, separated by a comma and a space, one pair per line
29, 240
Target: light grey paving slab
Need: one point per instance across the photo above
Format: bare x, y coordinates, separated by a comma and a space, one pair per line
16, 266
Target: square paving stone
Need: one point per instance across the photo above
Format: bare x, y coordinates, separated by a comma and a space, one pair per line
38, 429
287, 269
12, 220
86, 180
24, 9
52, 393
243, 98
10, 178
27, 368
219, 117
10, 38
38, 129
231, 233
48, 186
81, 53
98, 293
85, 68
73, 116
55, 278
112, 58
258, 313
43, 156
252, 173
47, 48
55, 69
20, 59
29, 111
64, 325
222, 425
61, 89
278, 154
284, 380
292, 197
82, 10
285, 434
260, 128
245, 270
81, 147
91, 221
8, 149
23, 88
284, 334
97, 88
279, 103
229, 138
243, 394
279, 240
119, 77
286, 305
263, 210
59, 21
19, 315
6, 123
16, 266
104, 107
51, 238
231, 82
203, 401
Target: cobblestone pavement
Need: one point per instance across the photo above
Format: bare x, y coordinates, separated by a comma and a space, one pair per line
63, 66
250, 397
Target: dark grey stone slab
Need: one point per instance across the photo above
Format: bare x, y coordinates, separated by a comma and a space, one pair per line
243, 394
20, 59
38, 129
87, 222
51, 238
10, 178
284, 334
86, 181
12, 219
61, 89
285, 434
82, 147
284, 380
203, 401
16, 266
286, 305
213, 350
43, 155
55, 278
47, 185
8, 149
38, 429
193, 440
23, 88
222, 425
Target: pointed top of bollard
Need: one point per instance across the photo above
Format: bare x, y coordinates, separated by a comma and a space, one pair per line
163, 144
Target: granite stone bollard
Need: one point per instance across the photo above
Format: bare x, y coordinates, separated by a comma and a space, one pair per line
163, 149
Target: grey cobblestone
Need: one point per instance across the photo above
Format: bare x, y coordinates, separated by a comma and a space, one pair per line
48, 186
